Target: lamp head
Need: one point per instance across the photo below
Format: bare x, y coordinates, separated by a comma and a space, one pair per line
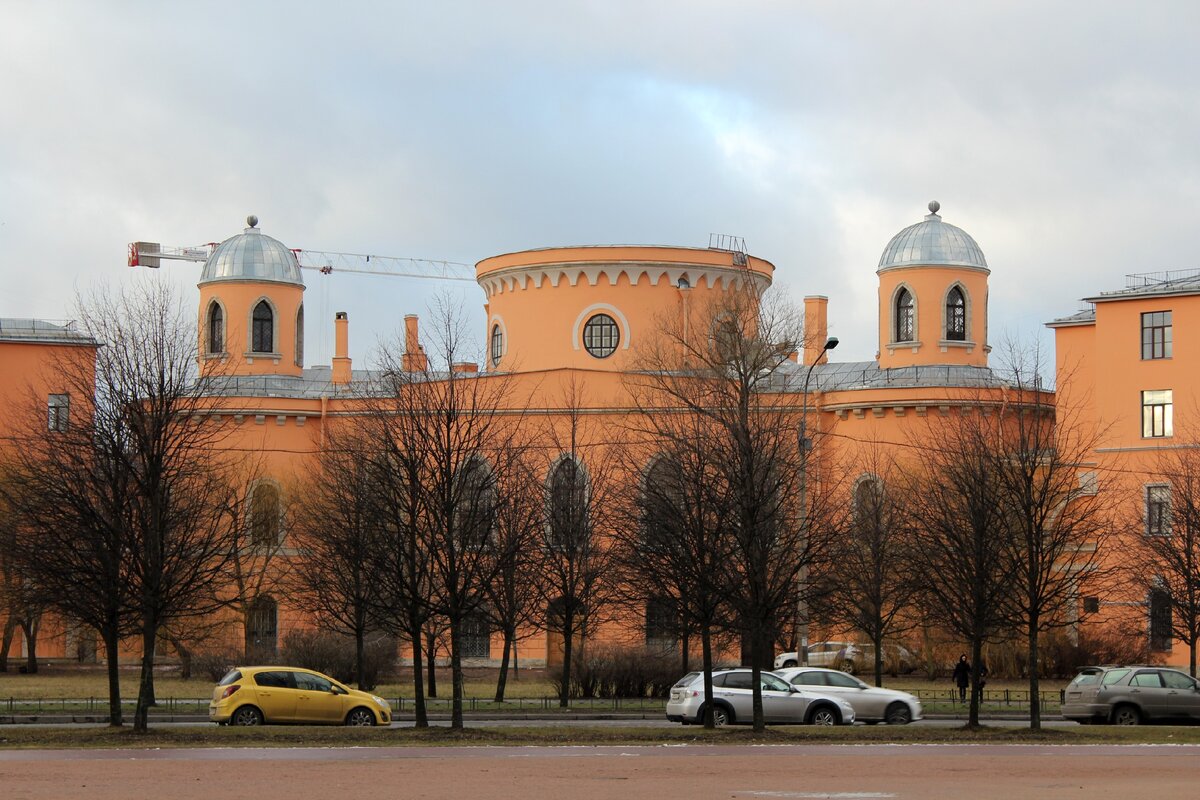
831, 343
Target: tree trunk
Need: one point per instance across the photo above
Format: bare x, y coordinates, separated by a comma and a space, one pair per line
112, 645
1191, 656
502, 679
420, 712
976, 659
145, 697
360, 657
431, 664
564, 691
683, 659
756, 646
706, 656
185, 658
877, 641
456, 680
30, 628
10, 632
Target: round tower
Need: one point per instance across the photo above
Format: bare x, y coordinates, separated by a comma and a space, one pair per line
588, 307
252, 307
933, 297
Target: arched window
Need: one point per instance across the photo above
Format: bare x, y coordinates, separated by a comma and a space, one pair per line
263, 324
868, 501
497, 345
216, 328
262, 628
662, 506
475, 513
264, 516
904, 316
567, 507
300, 336
956, 315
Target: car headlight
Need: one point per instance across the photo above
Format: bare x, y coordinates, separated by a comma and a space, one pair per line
381, 703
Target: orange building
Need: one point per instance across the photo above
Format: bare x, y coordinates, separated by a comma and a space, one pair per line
31, 354
1124, 365
576, 317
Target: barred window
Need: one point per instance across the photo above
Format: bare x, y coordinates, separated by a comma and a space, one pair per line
601, 335
1160, 619
264, 516
475, 639
956, 315
1156, 335
1158, 510
662, 621
263, 321
497, 345
216, 328
904, 316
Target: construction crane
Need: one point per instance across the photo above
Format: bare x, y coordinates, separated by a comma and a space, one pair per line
152, 254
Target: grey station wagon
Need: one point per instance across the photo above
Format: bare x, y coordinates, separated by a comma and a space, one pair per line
1131, 695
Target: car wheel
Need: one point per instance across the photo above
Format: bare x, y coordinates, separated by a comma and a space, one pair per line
789, 663
848, 666
721, 716
898, 714
824, 715
360, 717
246, 715
1126, 715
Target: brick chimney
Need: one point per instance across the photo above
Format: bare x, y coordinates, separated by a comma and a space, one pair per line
414, 359
464, 368
341, 348
816, 328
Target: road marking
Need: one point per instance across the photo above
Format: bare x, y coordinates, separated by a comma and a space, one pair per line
821, 795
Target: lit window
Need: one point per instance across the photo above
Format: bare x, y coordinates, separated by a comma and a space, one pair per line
1158, 510
497, 345
59, 410
1157, 412
956, 315
1156, 335
904, 316
263, 340
601, 336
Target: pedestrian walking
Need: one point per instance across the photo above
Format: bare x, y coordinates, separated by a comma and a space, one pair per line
962, 677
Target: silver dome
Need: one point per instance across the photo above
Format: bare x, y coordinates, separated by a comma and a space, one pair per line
932, 242
252, 256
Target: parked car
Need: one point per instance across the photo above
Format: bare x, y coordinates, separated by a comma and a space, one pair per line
733, 698
1131, 695
261, 695
871, 704
852, 658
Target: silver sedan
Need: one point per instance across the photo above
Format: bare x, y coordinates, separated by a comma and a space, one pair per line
871, 704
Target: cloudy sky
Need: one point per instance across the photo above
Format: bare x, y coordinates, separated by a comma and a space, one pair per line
1065, 137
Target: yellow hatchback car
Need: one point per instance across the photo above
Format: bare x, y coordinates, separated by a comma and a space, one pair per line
261, 695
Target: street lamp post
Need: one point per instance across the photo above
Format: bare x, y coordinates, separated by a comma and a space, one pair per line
805, 447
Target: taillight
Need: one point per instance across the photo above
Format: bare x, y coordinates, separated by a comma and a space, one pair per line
229, 690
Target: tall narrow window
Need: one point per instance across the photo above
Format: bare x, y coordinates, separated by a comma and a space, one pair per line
58, 410
567, 508
264, 516
262, 627
1157, 414
1158, 510
216, 328
497, 345
956, 315
300, 336
263, 323
475, 641
662, 622
1156, 335
1160, 619
904, 316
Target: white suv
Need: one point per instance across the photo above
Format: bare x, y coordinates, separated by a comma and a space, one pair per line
733, 697
850, 657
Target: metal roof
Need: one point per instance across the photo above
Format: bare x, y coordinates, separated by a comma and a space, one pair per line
252, 256
932, 242
850, 375
40, 330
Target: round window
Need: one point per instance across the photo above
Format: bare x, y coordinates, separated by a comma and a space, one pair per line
601, 335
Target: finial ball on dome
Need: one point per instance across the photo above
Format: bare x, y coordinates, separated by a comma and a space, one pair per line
934, 205
252, 220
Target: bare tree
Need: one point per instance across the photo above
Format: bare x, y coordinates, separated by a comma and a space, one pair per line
1057, 523
727, 363
956, 505
455, 433
578, 578
1166, 554
866, 582
337, 531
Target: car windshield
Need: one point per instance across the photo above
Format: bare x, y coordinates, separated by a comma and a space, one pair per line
233, 676
1112, 676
